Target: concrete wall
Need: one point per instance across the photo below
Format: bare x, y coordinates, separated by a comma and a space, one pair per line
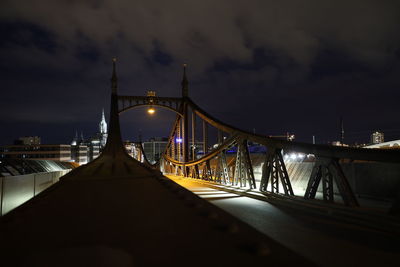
15, 190
374, 179
367, 179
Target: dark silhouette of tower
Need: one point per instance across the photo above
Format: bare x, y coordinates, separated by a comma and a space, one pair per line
341, 131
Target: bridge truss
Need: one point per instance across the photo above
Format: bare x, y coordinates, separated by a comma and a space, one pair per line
180, 155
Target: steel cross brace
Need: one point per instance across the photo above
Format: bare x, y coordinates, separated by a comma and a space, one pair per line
273, 170
206, 173
193, 171
243, 167
196, 171
329, 170
221, 172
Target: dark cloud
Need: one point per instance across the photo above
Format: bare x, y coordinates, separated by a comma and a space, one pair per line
275, 66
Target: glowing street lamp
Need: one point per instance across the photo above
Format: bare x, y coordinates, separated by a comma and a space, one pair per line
151, 111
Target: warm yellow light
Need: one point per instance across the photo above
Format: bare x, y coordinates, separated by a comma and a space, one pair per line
151, 111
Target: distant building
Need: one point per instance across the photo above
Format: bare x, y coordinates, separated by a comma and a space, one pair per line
130, 148
79, 154
154, 148
93, 149
85, 150
28, 140
377, 137
338, 143
48, 152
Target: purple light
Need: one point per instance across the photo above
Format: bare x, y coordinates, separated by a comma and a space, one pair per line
178, 140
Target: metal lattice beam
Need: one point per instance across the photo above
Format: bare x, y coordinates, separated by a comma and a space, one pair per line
129, 102
243, 167
274, 170
328, 170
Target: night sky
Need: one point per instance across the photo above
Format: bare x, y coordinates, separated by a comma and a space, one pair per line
269, 66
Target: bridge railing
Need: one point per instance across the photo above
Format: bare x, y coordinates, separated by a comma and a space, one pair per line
326, 176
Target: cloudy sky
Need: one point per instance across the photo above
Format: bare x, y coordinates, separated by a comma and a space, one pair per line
273, 66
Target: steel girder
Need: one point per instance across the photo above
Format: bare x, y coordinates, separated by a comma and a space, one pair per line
193, 172
206, 172
243, 167
221, 170
328, 170
273, 170
130, 102
212, 154
380, 155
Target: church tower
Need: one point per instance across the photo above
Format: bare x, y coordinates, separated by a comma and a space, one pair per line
75, 140
103, 130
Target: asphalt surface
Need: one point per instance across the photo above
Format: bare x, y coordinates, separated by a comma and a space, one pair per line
323, 239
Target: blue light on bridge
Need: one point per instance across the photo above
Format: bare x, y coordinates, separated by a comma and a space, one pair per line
178, 140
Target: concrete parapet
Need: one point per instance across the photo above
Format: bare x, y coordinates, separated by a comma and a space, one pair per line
16, 190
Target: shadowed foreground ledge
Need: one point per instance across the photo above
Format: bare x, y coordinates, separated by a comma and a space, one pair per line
129, 220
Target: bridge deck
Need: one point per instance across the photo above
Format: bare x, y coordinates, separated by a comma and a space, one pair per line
320, 233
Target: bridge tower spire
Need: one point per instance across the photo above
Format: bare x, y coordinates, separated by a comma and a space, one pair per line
114, 145
114, 80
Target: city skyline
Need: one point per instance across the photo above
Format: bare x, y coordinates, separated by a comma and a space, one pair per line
279, 68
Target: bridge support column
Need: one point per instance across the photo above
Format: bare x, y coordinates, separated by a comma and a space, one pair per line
205, 137
221, 171
194, 171
185, 136
193, 135
224, 167
206, 173
274, 169
178, 144
329, 170
243, 167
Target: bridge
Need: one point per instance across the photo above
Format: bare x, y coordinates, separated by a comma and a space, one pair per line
207, 210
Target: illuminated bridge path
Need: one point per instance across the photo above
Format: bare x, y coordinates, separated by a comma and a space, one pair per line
117, 211
328, 237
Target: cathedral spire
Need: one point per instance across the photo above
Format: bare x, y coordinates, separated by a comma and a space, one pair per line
103, 124
185, 83
114, 80
103, 130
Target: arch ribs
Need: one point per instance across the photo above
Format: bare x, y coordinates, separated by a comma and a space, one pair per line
129, 102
